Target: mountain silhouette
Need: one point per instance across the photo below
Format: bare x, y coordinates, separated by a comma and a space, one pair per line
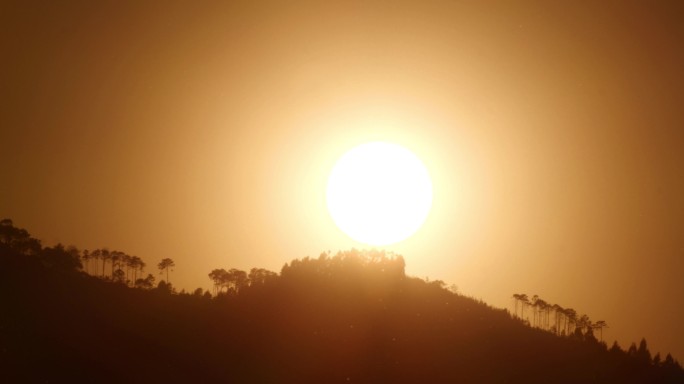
350, 317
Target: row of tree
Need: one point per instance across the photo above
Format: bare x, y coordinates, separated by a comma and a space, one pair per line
121, 263
123, 268
234, 280
378, 263
555, 318
642, 355
566, 322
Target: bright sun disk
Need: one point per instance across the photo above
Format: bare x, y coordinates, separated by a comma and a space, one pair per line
379, 193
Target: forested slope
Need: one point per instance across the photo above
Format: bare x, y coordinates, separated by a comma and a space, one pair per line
351, 317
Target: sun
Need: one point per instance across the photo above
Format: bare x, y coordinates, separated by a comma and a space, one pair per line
379, 193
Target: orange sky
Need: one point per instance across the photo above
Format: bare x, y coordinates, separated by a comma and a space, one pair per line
204, 133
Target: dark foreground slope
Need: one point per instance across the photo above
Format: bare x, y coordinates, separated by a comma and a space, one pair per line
354, 317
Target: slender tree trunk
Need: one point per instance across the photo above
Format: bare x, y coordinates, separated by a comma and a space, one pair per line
516, 308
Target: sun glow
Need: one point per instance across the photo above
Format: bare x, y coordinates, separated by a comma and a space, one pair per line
379, 193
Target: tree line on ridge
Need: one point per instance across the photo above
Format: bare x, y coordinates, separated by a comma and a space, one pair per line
326, 309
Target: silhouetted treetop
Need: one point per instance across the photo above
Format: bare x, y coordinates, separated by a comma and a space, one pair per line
165, 265
376, 263
17, 240
58, 257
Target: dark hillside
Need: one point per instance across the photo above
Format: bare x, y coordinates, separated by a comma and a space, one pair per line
352, 317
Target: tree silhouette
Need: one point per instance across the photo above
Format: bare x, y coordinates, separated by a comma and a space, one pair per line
584, 323
615, 348
115, 260
543, 312
219, 277
75, 254
558, 318
632, 351
237, 279
570, 320
669, 361
146, 283
642, 353
104, 256
119, 276
125, 263
534, 307
165, 265
260, 276
136, 264
18, 239
671, 367
165, 287
96, 255
600, 325
86, 260
58, 257
516, 298
524, 301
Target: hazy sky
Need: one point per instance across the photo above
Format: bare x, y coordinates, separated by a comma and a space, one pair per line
205, 131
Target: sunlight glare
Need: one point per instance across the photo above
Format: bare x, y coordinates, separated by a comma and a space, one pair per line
379, 193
